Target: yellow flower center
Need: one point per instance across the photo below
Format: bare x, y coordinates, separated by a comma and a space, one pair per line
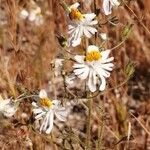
45, 102
93, 56
75, 14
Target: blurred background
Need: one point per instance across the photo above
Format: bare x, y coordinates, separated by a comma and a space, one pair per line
28, 45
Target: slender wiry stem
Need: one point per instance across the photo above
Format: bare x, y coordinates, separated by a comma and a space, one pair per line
118, 44
53, 139
88, 139
136, 17
101, 127
141, 124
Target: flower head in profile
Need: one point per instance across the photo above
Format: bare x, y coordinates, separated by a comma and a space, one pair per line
108, 4
45, 109
80, 25
7, 107
95, 67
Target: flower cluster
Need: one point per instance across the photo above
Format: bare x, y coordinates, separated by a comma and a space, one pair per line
94, 67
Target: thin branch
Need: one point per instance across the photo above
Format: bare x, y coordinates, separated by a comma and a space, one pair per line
145, 129
142, 24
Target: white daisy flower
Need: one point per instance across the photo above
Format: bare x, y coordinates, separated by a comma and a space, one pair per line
80, 25
94, 67
45, 109
34, 14
108, 4
7, 107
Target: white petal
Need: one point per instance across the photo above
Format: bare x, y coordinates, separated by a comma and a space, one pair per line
76, 34
79, 71
43, 122
87, 33
103, 84
61, 115
106, 60
51, 120
34, 104
91, 85
94, 22
79, 58
107, 7
115, 2
94, 77
45, 126
85, 73
76, 42
78, 65
102, 72
56, 102
72, 32
71, 26
107, 66
39, 116
75, 5
105, 54
37, 110
90, 16
43, 94
91, 29
92, 47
